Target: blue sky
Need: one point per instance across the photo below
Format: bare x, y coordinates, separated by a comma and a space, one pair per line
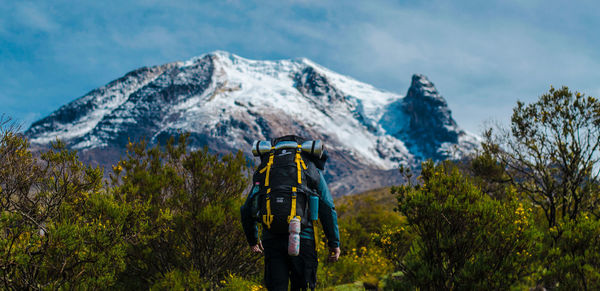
483, 56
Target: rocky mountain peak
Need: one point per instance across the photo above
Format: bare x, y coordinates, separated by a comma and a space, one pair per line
430, 120
426, 107
423, 121
421, 87
225, 102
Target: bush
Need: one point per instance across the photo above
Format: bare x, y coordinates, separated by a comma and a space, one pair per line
168, 220
366, 265
360, 218
551, 154
462, 238
59, 227
181, 280
235, 283
362, 215
190, 213
573, 263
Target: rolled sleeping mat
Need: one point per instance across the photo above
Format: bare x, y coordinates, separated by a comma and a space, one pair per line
286, 145
313, 147
261, 147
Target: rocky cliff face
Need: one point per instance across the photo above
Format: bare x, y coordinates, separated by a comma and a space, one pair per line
225, 102
427, 129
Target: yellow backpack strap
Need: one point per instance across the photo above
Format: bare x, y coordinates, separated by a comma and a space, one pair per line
303, 164
299, 164
268, 167
293, 210
268, 218
316, 233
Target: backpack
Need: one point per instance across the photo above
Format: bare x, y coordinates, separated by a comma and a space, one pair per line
287, 176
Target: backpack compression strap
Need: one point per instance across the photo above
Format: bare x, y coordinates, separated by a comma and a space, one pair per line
268, 218
299, 164
293, 210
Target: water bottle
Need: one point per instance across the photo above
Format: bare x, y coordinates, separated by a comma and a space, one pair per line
254, 206
294, 238
313, 205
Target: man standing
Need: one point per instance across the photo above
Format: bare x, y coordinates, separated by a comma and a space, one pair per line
289, 186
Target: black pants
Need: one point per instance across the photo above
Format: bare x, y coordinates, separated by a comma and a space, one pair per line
281, 268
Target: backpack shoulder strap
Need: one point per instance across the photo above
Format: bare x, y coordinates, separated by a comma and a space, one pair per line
300, 165
293, 210
267, 168
268, 218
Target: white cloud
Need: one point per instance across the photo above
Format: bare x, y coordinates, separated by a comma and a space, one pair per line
482, 55
35, 17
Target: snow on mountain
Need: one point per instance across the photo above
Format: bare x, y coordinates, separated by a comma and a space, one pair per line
226, 102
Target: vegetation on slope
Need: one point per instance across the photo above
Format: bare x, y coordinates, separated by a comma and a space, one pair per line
522, 213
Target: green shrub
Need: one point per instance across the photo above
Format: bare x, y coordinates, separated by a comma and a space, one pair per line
59, 227
168, 220
235, 283
181, 280
550, 154
462, 238
366, 265
360, 218
190, 214
573, 262
362, 215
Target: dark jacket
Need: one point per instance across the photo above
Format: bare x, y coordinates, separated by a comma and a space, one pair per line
327, 216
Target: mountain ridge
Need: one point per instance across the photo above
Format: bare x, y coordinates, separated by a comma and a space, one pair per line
226, 101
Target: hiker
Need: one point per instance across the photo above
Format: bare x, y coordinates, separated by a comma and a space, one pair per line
289, 194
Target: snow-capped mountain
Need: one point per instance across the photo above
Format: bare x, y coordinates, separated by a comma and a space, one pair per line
226, 102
